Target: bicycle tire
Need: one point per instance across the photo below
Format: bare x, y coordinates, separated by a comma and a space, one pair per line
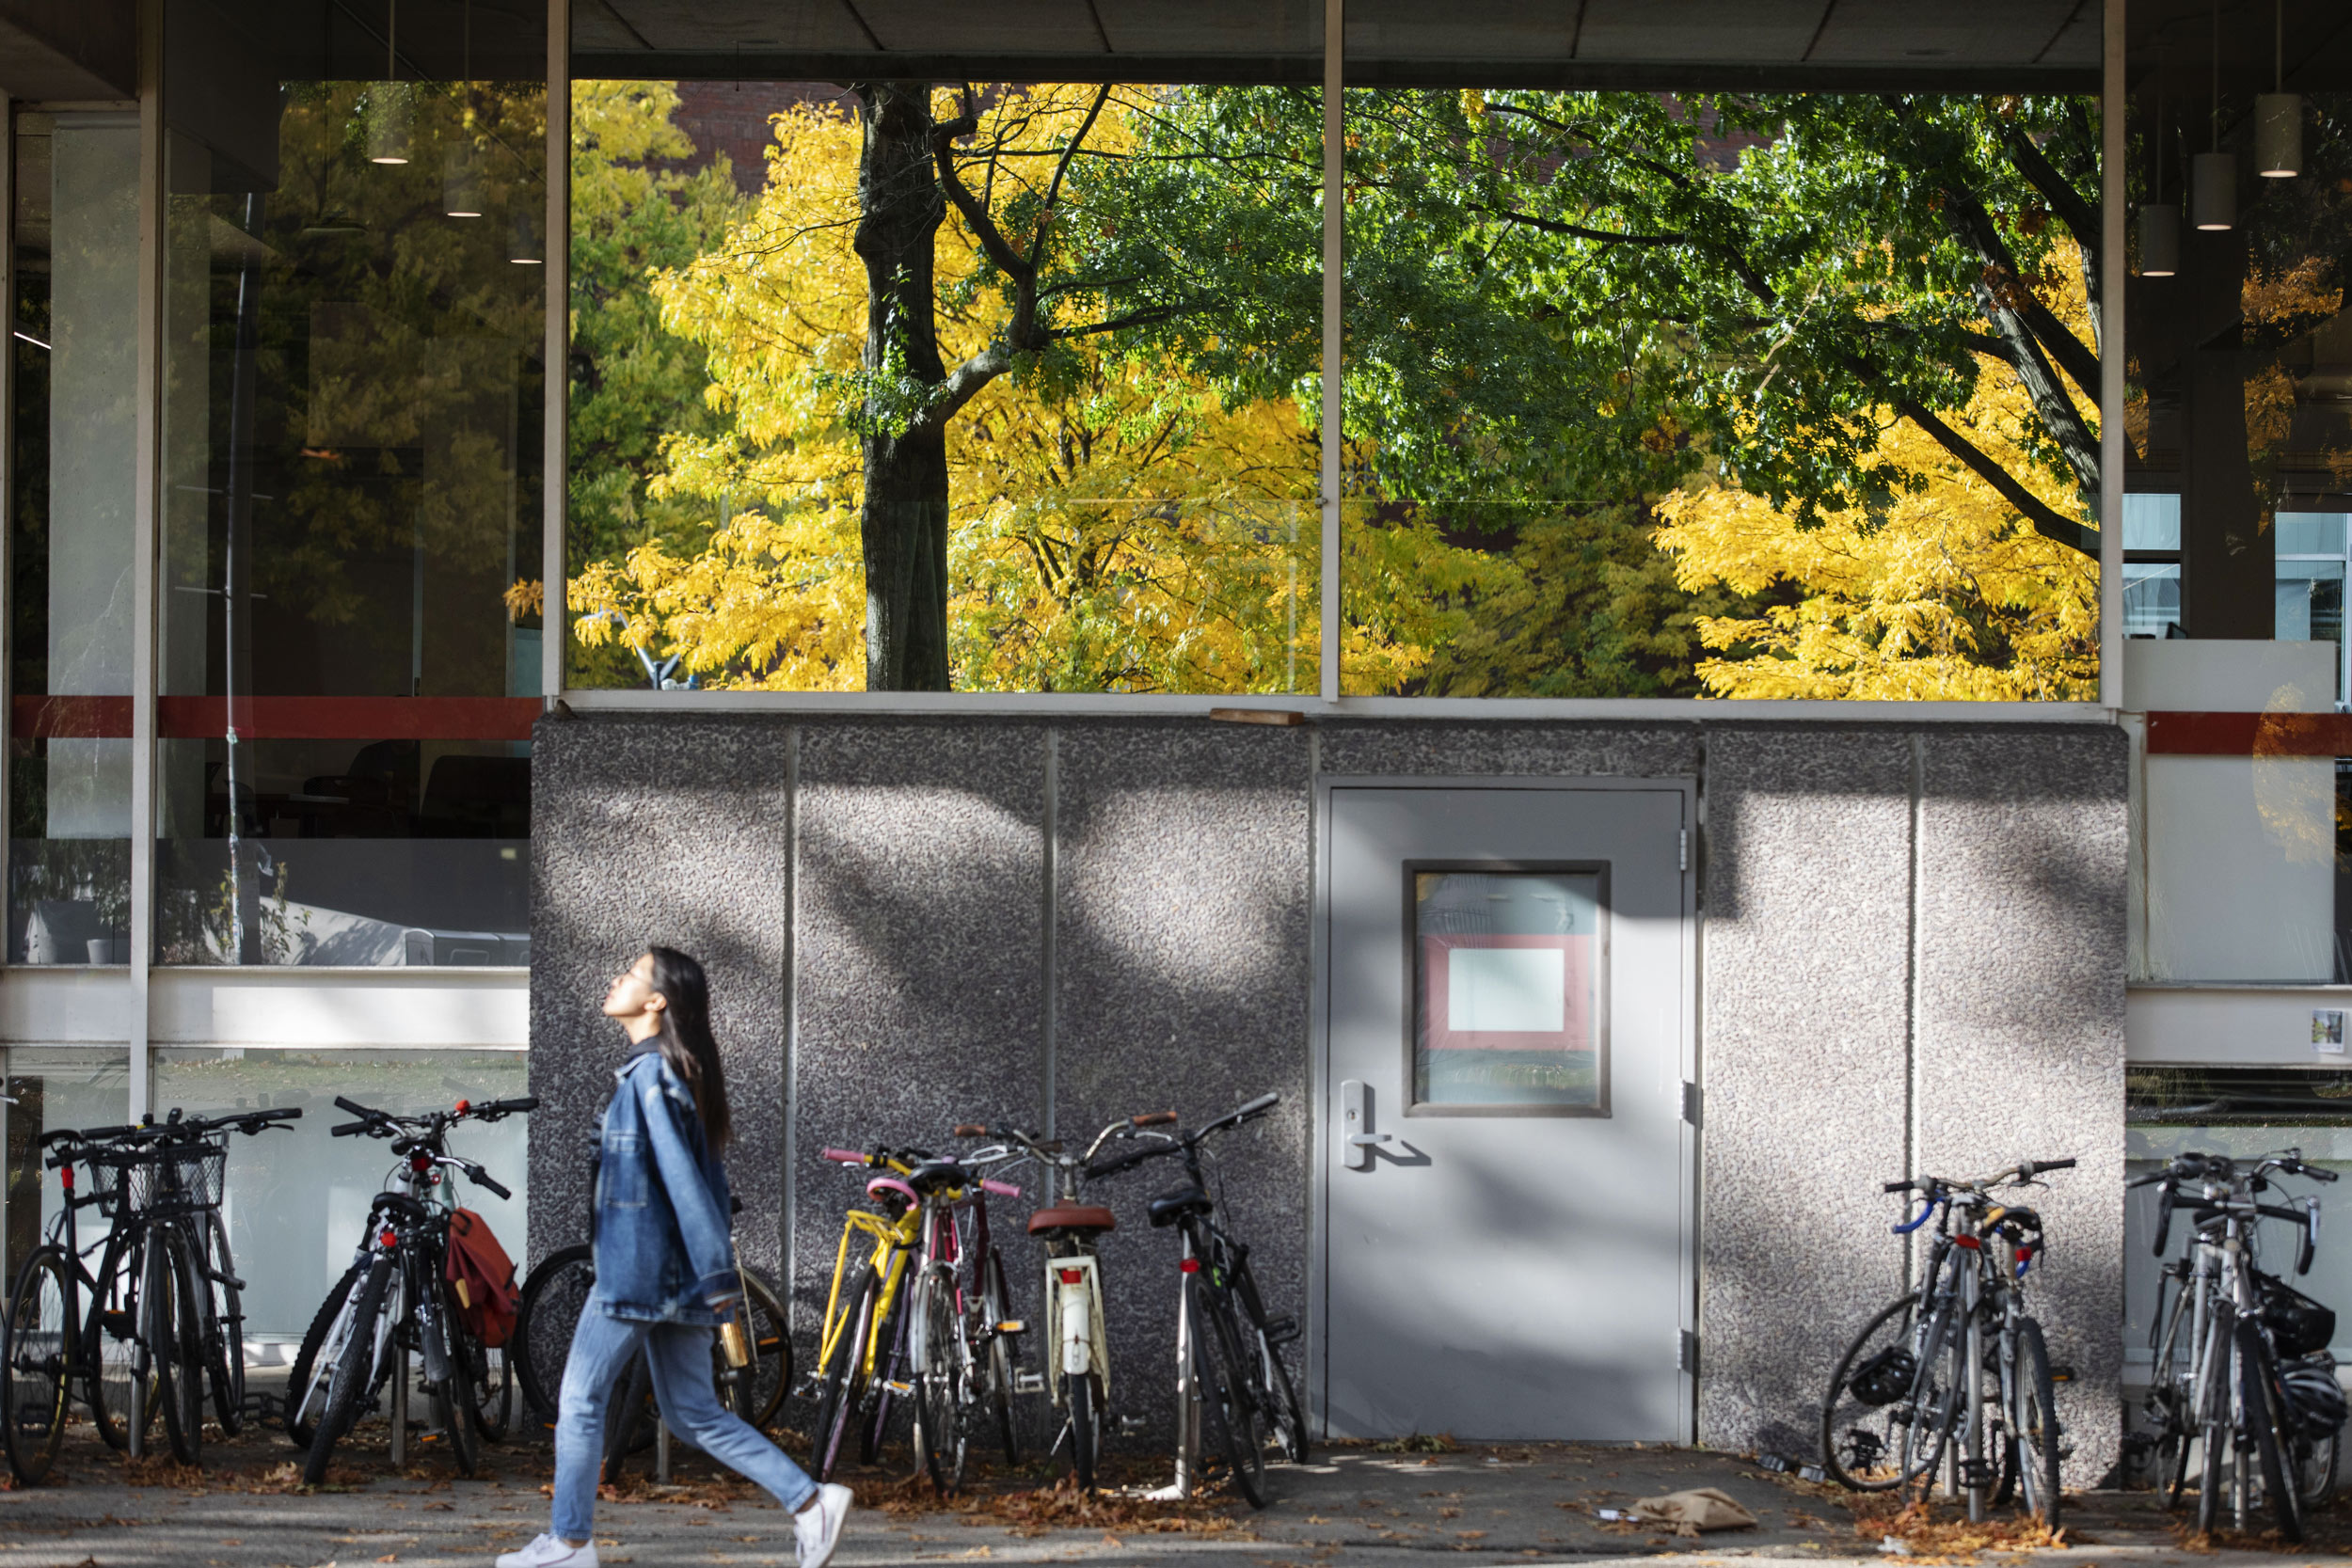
37, 1365
1889, 1328
306, 1392
842, 1384
880, 1406
942, 1435
2213, 1418
493, 1368
2036, 1426
2314, 1458
354, 1369
109, 1335
453, 1399
1229, 1415
2265, 1418
174, 1338
224, 1324
1280, 1399
630, 1419
996, 1308
1085, 1427
756, 1391
554, 1295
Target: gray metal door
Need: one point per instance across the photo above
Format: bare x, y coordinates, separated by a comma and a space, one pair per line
1506, 1163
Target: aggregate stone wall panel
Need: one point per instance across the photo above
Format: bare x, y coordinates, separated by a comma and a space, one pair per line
1373, 750
1806, 909
653, 830
2020, 1045
919, 951
1181, 983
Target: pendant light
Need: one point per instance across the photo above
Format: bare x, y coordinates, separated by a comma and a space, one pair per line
388, 120
2278, 117
2159, 221
2213, 179
461, 172
523, 248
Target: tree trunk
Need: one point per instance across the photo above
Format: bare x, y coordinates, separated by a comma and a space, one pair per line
904, 519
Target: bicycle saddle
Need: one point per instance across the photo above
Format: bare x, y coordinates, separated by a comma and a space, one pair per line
1168, 1208
1079, 1216
933, 1175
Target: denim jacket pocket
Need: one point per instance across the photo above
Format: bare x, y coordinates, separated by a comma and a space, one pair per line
621, 1171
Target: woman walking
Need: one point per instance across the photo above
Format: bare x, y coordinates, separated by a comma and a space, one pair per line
665, 1270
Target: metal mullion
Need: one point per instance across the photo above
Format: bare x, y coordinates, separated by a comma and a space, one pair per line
146, 504
1334, 223
8, 516
2111, 284
557, 352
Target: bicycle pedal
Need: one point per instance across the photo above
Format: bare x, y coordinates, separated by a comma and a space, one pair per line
1027, 1383
902, 1390
1012, 1325
1281, 1331
117, 1323
1977, 1473
1130, 1426
2062, 1374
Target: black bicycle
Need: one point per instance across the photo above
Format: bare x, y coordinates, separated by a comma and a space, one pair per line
1246, 1394
397, 1299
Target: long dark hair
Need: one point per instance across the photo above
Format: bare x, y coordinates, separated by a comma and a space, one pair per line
685, 1042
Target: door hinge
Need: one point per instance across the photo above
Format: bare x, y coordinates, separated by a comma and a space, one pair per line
1691, 1100
1682, 850
1686, 1351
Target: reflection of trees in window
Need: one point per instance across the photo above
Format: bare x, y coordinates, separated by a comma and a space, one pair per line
1023, 380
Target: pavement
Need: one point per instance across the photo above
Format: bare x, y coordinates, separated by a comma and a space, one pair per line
1353, 1504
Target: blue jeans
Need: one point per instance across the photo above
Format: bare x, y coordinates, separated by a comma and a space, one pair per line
680, 1356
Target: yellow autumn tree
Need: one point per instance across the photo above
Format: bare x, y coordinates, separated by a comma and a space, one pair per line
1115, 524
1940, 592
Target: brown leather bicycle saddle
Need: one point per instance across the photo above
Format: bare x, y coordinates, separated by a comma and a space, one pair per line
1079, 1216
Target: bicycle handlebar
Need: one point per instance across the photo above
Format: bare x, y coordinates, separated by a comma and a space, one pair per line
846, 1156
1001, 1189
1152, 1118
2035, 1168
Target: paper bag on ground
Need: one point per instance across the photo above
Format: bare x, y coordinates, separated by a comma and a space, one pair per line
1700, 1509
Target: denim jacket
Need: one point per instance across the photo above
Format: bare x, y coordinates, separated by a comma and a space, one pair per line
664, 1250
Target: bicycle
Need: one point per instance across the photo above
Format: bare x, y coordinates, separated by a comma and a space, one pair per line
2227, 1391
854, 1372
1235, 1347
553, 1298
396, 1298
142, 1347
958, 1339
1915, 1387
1078, 1374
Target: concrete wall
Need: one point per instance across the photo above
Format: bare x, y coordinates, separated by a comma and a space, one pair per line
1912, 956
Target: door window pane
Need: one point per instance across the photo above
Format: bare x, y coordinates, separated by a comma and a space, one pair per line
50, 1087
1507, 989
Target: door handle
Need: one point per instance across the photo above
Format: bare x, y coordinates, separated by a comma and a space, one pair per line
1355, 1133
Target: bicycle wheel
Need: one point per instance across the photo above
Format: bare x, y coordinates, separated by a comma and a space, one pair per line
842, 1383
2265, 1418
222, 1297
454, 1399
940, 1389
354, 1376
1868, 1409
493, 1371
2213, 1417
2313, 1458
1084, 1404
37, 1366
755, 1390
116, 1385
1229, 1415
890, 1378
996, 1366
2035, 1425
552, 1299
632, 1421
1279, 1401
173, 1336
315, 1365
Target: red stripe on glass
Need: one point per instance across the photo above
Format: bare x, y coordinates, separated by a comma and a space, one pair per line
281, 717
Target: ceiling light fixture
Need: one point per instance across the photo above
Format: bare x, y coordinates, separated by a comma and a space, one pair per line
2278, 117
2159, 221
461, 171
387, 117
2213, 179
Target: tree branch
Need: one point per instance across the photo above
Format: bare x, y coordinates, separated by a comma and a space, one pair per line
1577, 231
1053, 188
2047, 520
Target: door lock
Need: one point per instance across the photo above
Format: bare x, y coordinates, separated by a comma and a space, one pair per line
1355, 1133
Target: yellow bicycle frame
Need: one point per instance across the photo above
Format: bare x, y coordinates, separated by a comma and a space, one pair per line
894, 1241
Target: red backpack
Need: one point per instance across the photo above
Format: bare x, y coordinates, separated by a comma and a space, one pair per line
482, 1278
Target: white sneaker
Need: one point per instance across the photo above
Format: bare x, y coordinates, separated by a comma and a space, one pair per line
548, 1552
815, 1528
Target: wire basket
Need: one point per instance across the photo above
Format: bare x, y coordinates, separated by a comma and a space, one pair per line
198, 1175
123, 1179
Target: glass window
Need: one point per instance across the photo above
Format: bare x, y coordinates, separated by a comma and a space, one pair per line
353, 410
296, 1201
2318, 533
72, 528
2151, 599
1507, 976
1755, 393
2154, 523
50, 1088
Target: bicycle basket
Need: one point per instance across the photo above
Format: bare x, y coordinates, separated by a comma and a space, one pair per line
2314, 1398
200, 1172
2298, 1325
124, 1181
1885, 1377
